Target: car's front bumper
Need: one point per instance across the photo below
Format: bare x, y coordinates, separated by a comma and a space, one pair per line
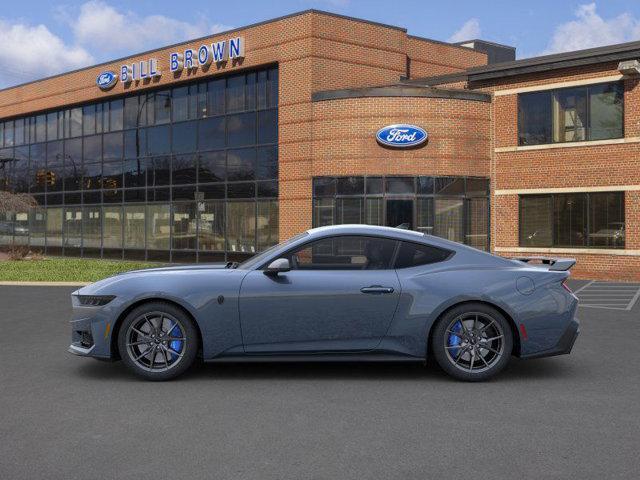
564, 345
91, 329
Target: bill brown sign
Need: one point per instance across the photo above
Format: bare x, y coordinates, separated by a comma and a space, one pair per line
189, 59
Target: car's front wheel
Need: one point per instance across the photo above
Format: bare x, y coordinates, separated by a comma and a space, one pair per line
157, 341
472, 342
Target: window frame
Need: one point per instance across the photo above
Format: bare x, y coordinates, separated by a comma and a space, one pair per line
552, 93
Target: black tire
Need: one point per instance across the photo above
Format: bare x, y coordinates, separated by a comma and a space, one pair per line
458, 327
170, 363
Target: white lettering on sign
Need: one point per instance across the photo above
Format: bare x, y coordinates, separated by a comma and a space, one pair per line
401, 135
217, 52
139, 71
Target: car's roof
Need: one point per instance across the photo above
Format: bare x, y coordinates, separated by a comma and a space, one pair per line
374, 230
364, 229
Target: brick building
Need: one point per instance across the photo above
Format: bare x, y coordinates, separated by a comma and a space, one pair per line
217, 148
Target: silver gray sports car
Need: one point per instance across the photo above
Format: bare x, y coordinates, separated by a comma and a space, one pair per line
341, 293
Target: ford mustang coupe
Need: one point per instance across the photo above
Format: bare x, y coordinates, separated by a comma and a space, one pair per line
340, 293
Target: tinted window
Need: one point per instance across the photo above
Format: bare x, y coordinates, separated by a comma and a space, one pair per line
211, 167
184, 169
184, 137
267, 167
241, 164
593, 112
350, 186
534, 118
573, 220
211, 133
400, 185
112, 145
606, 111
158, 140
241, 129
344, 253
268, 126
415, 254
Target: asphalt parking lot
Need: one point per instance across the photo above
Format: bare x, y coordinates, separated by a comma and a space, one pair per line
574, 416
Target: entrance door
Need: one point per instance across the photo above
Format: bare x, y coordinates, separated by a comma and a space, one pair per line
400, 212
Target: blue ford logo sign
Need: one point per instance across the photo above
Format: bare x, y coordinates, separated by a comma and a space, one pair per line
106, 80
401, 136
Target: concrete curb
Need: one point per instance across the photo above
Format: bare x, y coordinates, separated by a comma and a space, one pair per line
44, 284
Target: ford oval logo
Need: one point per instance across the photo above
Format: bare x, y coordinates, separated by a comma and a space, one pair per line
401, 136
106, 80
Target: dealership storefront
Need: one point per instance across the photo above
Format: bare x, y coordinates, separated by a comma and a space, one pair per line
182, 174
218, 148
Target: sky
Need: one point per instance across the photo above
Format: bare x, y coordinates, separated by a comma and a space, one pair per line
39, 38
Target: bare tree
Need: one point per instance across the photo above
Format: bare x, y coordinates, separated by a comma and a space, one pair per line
16, 202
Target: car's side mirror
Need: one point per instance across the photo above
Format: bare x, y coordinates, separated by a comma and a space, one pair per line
278, 266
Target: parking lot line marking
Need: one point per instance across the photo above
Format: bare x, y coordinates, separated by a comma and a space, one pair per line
609, 296
583, 287
634, 300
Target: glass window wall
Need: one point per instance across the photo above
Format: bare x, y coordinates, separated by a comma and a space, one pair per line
193, 168
456, 208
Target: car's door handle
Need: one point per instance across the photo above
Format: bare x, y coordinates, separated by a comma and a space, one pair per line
376, 289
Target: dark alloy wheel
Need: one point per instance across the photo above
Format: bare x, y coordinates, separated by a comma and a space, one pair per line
157, 341
472, 342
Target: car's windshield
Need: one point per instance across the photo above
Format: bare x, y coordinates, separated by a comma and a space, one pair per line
261, 257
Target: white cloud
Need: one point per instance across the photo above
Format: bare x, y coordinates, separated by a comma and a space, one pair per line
98, 32
591, 30
104, 29
469, 31
28, 52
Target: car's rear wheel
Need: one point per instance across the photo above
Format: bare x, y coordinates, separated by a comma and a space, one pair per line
157, 341
472, 342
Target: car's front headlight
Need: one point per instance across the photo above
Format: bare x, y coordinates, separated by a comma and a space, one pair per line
94, 300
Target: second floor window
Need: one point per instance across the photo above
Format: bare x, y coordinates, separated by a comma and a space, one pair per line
593, 112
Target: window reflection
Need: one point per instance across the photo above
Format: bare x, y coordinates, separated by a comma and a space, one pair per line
455, 208
158, 227
134, 226
92, 227
211, 226
241, 226
112, 235
108, 171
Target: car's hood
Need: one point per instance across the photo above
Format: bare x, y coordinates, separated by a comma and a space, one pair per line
180, 268
150, 275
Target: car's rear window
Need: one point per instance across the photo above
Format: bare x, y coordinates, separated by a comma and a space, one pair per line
415, 254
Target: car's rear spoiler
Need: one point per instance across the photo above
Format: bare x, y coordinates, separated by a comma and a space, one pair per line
555, 264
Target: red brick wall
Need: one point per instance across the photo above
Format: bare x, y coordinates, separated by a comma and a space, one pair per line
430, 58
565, 167
343, 143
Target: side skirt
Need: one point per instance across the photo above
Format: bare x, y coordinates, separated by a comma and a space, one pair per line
317, 357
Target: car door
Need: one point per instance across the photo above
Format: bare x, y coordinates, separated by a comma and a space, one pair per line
339, 296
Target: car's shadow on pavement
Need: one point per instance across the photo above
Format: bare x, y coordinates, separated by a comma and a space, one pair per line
517, 371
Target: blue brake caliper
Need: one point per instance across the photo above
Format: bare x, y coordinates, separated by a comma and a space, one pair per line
176, 345
455, 340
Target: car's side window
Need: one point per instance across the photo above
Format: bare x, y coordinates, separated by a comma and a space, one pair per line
415, 254
344, 253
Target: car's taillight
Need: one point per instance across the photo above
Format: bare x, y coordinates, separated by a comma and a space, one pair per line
566, 287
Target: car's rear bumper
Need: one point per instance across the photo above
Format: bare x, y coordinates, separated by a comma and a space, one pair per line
564, 345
